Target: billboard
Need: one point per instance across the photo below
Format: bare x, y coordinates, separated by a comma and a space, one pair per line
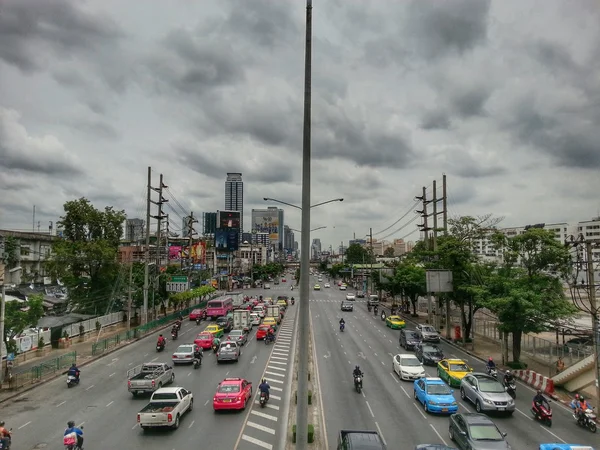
198, 252
175, 253
226, 240
266, 222
228, 220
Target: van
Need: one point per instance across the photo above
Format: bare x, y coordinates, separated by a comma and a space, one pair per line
373, 300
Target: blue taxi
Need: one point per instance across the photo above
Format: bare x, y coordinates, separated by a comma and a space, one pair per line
565, 447
435, 395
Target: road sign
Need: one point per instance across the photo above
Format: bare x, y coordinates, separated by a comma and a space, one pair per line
178, 284
178, 279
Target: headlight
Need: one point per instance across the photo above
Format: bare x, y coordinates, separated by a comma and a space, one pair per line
431, 402
489, 402
454, 403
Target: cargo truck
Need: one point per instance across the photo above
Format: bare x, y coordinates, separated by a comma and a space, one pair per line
241, 320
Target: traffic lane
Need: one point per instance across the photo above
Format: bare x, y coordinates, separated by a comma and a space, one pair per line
522, 430
382, 394
87, 402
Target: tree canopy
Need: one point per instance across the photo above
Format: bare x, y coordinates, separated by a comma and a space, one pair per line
20, 316
357, 254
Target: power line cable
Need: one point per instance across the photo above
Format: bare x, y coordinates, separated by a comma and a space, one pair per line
405, 214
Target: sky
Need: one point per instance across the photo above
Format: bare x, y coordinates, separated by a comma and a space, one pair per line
501, 96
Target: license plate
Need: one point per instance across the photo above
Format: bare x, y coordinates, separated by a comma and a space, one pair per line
502, 409
140, 392
227, 400
444, 409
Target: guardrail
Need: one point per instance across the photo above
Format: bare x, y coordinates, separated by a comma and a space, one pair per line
38, 373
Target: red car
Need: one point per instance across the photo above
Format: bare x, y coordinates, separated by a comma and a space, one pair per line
204, 340
198, 313
283, 280
232, 393
262, 331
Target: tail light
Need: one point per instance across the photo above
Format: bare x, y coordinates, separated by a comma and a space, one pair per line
153, 383
138, 418
217, 354
128, 383
170, 417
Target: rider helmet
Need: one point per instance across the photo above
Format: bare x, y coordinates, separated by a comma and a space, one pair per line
1, 423
70, 424
581, 399
73, 365
539, 392
577, 397
508, 372
490, 359
357, 368
264, 380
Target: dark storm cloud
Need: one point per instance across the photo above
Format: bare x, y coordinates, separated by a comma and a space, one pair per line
469, 102
453, 26
30, 28
96, 127
437, 119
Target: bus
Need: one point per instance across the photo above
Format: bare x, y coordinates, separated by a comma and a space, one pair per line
219, 307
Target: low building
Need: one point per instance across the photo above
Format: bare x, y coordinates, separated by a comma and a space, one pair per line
31, 253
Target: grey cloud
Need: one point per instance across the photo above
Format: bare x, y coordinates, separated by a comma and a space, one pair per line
28, 27
95, 126
437, 119
439, 28
470, 102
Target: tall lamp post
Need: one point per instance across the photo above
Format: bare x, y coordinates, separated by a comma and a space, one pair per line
252, 256
2, 315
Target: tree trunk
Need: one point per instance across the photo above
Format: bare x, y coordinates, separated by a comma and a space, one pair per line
414, 301
516, 338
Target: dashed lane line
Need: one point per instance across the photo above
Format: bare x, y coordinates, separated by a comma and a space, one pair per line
279, 362
257, 442
265, 416
261, 427
268, 405
275, 374
284, 369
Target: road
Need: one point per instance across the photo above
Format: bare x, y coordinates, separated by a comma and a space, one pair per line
108, 412
386, 403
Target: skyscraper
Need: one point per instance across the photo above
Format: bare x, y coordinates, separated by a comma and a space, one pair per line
234, 196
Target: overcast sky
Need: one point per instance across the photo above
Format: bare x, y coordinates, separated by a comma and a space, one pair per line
503, 97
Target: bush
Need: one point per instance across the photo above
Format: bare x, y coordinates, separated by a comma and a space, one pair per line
98, 326
310, 394
81, 330
311, 433
517, 365
41, 342
65, 335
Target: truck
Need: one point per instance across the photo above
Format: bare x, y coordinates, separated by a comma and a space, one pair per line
274, 311
360, 440
149, 377
238, 299
166, 407
241, 320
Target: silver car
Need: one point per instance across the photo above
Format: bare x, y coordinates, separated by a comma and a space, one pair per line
486, 393
184, 354
239, 336
428, 333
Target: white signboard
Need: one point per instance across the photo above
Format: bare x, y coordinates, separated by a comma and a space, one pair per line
177, 286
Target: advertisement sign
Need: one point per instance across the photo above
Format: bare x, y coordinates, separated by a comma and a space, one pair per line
175, 253
266, 222
199, 253
226, 240
229, 220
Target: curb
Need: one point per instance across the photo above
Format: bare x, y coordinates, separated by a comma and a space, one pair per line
31, 387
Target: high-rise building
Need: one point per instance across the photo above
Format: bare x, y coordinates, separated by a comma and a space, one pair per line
134, 230
185, 227
315, 249
209, 223
288, 239
270, 221
234, 196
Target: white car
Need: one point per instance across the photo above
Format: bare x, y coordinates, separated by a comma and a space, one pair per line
350, 296
326, 285
255, 319
408, 367
343, 287
267, 286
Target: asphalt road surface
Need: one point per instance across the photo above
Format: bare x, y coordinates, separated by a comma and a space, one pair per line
386, 403
108, 412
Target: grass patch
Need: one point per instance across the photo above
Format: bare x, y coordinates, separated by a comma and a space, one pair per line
311, 433
310, 395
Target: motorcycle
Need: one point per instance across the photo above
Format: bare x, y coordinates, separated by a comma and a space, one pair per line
160, 347
197, 362
198, 321
358, 383
74, 446
342, 326
263, 399
492, 372
291, 288
269, 338
293, 301
369, 308
511, 388
587, 421
375, 310
215, 347
174, 335
72, 381
7, 446
542, 414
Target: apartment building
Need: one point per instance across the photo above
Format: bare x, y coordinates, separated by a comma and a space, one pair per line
31, 252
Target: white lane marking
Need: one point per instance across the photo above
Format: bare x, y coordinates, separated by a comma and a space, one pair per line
370, 410
390, 354
189, 373
284, 369
279, 357
382, 363
394, 377
404, 390
273, 381
135, 426
206, 402
276, 374
130, 365
546, 429
276, 397
275, 388
112, 374
90, 387
263, 415
61, 403
464, 405
227, 372
257, 442
24, 425
110, 403
191, 424
381, 434
438, 434
420, 412
261, 427
145, 355
526, 415
268, 405
390, 341
284, 363
152, 360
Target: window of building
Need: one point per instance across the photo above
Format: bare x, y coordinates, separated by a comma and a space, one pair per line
25, 250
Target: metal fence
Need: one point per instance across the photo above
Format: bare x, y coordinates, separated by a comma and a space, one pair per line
91, 324
42, 371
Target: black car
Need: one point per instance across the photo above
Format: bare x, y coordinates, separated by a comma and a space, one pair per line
476, 432
226, 323
347, 306
409, 339
428, 354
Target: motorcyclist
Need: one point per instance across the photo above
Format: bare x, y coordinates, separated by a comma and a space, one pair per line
174, 331
161, 341
540, 400
292, 287
580, 409
508, 377
375, 309
178, 324
74, 371
198, 354
264, 387
5, 436
490, 364
574, 402
271, 334
342, 323
293, 300
357, 372
72, 429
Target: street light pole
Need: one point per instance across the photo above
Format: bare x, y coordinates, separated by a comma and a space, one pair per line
304, 310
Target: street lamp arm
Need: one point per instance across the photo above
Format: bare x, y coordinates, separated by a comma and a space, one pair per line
328, 201
314, 229
268, 199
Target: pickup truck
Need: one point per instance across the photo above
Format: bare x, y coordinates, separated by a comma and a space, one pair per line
360, 440
149, 377
166, 407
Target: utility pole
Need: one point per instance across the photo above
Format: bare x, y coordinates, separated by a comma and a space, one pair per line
191, 232
129, 296
445, 204
159, 218
147, 249
371, 259
2, 314
425, 228
595, 319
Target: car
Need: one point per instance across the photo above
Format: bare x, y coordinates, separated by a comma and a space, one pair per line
316, 287
232, 393
434, 447
408, 367
395, 322
320, 279
360, 294
343, 287
262, 331
283, 280
184, 354
373, 300
428, 354
428, 333
476, 432
226, 323
350, 296
435, 395
270, 321
199, 313
276, 282
215, 330
453, 370
486, 393
409, 339
347, 306
255, 318
260, 310
204, 340
327, 285
228, 351
239, 336
267, 286
582, 344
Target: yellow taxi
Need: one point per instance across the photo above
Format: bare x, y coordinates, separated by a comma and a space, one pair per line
453, 370
317, 287
270, 321
281, 302
268, 300
215, 330
395, 322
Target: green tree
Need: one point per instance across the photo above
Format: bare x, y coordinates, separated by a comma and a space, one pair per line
389, 252
19, 316
11, 252
409, 280
85, 259
357, 254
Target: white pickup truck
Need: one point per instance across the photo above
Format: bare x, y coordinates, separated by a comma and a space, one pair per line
166, 407
149, 377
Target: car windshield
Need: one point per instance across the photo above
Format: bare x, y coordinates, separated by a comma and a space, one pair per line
395, 319
490, 386
459, 368
412, 335
229, 347
411, 362
235, 333
428, 329
264, 328
430, 349
184, 349
485, 433
438, 389
228, 389
204, 337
